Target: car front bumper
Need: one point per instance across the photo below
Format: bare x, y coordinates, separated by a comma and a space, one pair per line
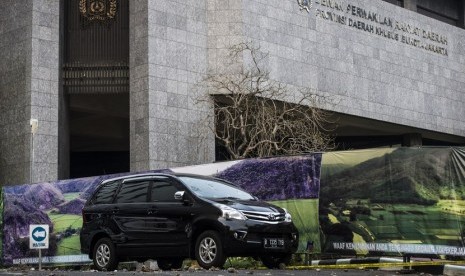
247, 238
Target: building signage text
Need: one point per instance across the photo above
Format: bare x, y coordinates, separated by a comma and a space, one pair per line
375, 23
406, 248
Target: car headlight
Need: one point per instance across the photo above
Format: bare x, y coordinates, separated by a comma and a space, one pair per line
287, 216
230, 213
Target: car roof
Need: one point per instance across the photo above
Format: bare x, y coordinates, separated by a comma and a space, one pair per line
155, 174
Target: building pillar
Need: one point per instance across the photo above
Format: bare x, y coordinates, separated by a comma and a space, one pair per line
166, 62
29, 90
410, 5
45, 72
412, 140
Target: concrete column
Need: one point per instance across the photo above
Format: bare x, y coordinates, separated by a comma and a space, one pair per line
29, 89
410, 5
14, 146
45, 87
412, 140
168, 57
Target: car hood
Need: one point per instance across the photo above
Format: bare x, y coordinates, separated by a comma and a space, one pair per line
250, 205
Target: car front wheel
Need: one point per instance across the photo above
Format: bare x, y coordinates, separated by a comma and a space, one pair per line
104, 256
209, 250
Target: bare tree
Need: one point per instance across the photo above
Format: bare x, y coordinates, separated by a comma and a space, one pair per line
255, 116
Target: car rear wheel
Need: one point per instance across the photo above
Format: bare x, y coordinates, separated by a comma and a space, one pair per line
170, 263
104, 256
209, 250
273, 261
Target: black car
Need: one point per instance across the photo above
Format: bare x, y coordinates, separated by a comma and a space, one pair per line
171, 217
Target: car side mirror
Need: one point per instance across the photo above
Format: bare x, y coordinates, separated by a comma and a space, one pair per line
183, 197
179, 195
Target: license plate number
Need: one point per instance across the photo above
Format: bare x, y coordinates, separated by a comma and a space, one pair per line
274, 243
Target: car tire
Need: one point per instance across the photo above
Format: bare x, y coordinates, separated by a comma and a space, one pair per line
104, 255
273, 261
209, 250
169, 263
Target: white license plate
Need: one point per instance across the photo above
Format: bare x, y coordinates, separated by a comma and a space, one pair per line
273, 243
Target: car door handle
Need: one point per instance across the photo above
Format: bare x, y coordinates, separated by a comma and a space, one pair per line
152, 210
115, 210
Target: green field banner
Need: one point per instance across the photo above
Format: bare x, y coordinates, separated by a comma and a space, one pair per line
393, 201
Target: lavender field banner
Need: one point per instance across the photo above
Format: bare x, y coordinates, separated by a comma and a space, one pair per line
394, 201
291, 182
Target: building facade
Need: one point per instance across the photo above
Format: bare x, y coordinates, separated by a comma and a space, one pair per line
112, 83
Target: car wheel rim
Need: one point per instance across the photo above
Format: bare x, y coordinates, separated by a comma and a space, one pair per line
207, 250
103, 255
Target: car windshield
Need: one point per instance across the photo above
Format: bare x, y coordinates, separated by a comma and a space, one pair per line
214, 189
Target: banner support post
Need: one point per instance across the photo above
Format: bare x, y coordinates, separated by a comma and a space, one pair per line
40, 259
39, 239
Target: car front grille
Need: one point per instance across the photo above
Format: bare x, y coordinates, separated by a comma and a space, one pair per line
264, 216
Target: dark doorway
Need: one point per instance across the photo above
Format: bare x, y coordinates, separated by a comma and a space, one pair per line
96, 86
99, 134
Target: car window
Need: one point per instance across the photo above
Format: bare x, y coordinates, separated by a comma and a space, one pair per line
133, 192
163, 191
106, 193
214, 188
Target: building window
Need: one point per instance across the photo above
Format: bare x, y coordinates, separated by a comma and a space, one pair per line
437, 16
447, 11
399, 3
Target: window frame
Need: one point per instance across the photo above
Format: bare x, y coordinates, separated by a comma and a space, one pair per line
149, 181
169, 180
